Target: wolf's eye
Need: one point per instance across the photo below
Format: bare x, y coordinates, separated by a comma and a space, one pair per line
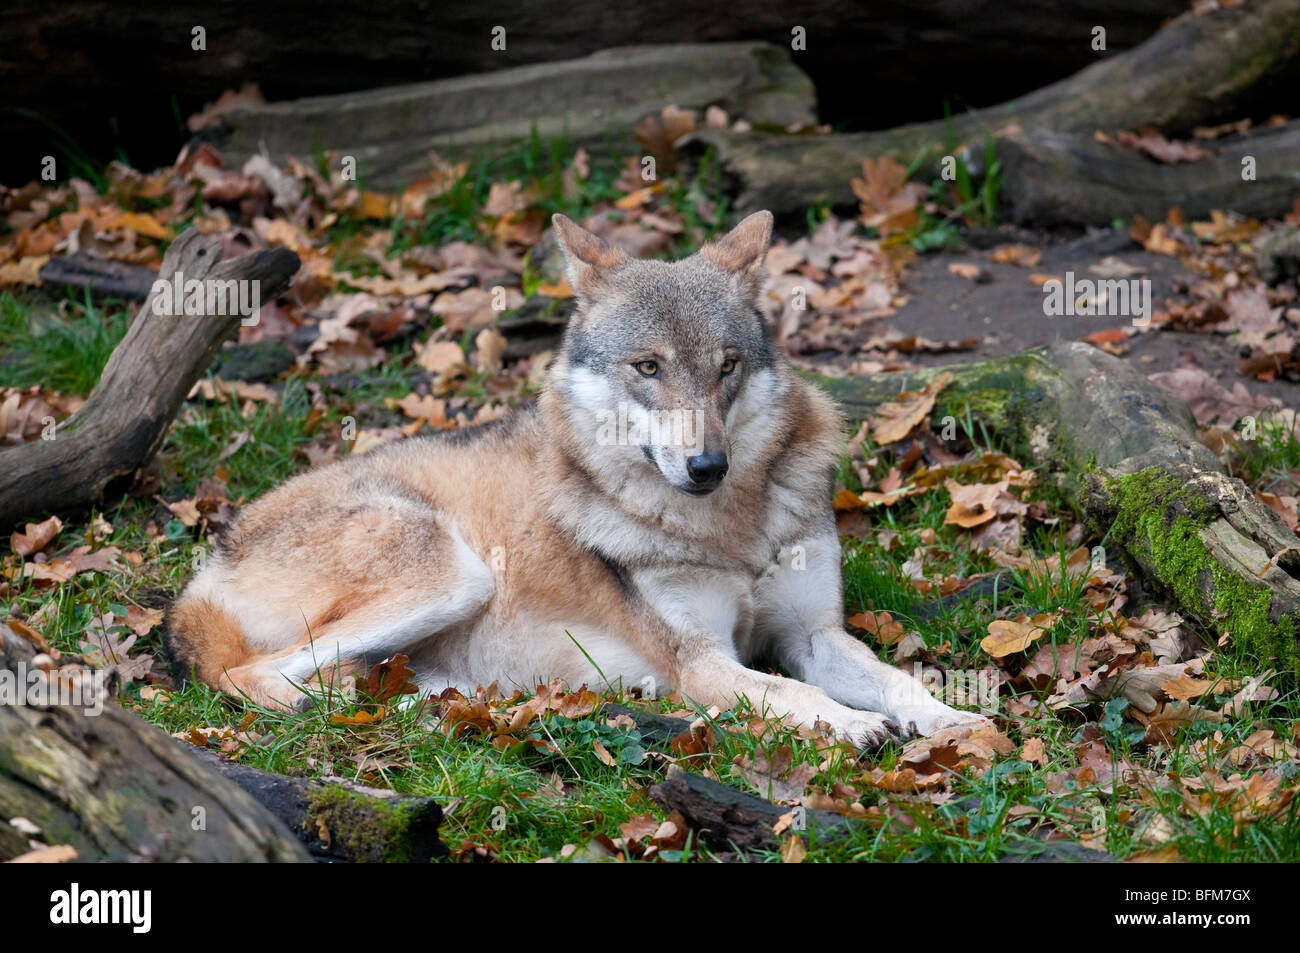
647, 368
728, 366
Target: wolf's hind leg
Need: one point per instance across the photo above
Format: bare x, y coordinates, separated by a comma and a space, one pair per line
410, 608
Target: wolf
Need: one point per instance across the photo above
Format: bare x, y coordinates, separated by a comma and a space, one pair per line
660, 517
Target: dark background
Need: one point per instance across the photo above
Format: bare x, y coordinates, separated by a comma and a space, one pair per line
119, 78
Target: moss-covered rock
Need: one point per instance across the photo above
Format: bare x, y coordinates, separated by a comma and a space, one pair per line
367, 829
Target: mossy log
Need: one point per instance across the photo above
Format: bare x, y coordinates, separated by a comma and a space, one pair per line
141, 388
1196, 70
114, 787
1125, 456
338, 820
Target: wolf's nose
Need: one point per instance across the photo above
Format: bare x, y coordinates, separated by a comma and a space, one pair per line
705, 468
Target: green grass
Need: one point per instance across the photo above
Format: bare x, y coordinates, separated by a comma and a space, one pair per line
62, 349
494, 797
1267, 455
194, 445
872, 580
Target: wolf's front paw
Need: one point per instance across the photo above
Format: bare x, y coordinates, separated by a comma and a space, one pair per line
869, 731
929, 720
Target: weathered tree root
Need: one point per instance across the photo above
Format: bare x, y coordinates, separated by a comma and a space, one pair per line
730, 819
99, 276
143, 385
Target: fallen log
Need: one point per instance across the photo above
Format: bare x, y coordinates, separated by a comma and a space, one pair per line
1054, 178
1125, 456
730, 819
1196, 70
144, 383
657, 731
111, 786
392, 131
86, 774
99, 276
339, 820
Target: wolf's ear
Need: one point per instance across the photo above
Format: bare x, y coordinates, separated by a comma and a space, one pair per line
587, 254
741, 251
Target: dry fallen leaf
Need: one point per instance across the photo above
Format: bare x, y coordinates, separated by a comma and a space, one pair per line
142, 224
389, 678
639, 828
894, 420
1184, 687
793, 850
776, 778
25, 271
104, 647
36, 537
971, 504
887, 201
1018, 255
57, 854
1150, 143
562, 289
141, 621
1007, 636
22, 629
423, 410
61, 569
187, 511
968, 271
491, 345
880, 624
442, 357
1034, 751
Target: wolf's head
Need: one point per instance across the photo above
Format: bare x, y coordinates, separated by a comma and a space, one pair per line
664, 362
